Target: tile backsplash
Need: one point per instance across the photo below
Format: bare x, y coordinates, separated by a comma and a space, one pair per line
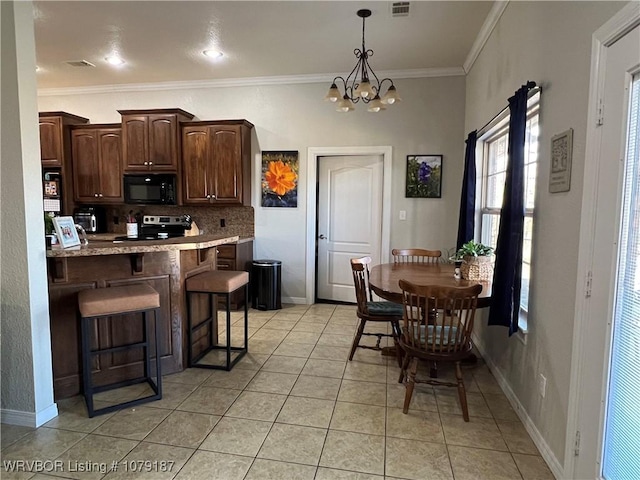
236, 220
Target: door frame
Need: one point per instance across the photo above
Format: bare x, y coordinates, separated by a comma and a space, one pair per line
619, 25
312, 197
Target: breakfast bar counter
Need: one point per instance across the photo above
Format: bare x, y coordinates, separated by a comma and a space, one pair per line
105, 244
164, 264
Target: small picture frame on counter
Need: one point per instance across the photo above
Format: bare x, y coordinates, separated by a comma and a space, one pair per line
66, 231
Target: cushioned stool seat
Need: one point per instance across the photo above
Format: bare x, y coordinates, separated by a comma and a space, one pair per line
101, 303
216, 282
117, 300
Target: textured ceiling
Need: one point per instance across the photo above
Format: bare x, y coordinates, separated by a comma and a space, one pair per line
162, 41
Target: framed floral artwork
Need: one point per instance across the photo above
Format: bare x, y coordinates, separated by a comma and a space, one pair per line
424, 176
280, 179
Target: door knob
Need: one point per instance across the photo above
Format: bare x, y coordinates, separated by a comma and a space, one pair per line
322, 237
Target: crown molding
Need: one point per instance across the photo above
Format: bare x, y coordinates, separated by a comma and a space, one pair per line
241, 82
485, 32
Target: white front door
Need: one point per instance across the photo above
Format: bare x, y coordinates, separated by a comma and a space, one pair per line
349, 220
611, 369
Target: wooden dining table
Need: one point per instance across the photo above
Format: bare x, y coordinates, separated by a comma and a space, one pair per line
384, 279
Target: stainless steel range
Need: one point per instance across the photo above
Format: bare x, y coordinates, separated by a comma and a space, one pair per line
155, 227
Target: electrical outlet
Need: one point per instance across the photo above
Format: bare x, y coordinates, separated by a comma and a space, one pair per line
542, 385
403, 214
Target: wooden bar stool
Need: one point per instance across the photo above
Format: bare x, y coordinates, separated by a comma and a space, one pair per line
97, 304
217, 282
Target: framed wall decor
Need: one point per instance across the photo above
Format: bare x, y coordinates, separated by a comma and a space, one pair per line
280, 178
561, 153
66, 231
424, 176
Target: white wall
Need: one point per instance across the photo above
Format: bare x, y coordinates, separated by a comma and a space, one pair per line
549, 43
294, 117
27, 379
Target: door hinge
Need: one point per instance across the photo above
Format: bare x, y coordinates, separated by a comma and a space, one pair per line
576, 445
600, 116
587, 284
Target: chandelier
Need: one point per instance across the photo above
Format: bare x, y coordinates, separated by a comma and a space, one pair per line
362, 83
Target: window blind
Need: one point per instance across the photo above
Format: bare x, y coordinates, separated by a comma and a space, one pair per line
622, 427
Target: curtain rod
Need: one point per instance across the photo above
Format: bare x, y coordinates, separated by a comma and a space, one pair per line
533, 89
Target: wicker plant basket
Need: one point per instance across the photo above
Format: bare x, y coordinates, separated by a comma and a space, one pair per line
477, 268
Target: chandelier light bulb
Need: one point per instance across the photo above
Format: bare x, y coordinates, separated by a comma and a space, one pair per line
333, 95
391, 96
376, 105
364, 90
345, 105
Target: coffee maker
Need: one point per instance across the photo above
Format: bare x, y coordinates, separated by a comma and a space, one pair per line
92, 219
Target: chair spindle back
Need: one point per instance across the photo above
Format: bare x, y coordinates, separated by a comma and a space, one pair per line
416, 255
360, 271
455, 307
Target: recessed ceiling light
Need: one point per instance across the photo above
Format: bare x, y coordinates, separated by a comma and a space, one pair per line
212, 53
114, 60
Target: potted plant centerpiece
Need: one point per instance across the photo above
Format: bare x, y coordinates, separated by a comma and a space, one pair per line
477, 261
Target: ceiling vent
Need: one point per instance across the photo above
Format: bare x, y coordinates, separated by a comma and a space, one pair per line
400, 9
80, 63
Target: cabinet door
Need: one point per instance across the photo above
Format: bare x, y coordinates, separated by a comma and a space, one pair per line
226, 153
51, 151
135, 143
110, 166
124, 329
84, 145
163, 150
65, 338
195, 158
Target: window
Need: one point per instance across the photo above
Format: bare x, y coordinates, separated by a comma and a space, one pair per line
494, 146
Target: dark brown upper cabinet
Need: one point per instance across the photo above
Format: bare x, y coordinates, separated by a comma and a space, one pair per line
97, 163
55, 145
151, 139
216, 166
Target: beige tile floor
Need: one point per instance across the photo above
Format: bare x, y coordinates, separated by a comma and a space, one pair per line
293, 408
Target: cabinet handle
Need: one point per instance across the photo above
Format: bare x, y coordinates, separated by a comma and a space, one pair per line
95, 194
213, 196
150, 163
208, 196
100, 195
146, 163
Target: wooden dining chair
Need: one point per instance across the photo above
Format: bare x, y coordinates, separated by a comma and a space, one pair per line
447, 340
416, 255
370, 311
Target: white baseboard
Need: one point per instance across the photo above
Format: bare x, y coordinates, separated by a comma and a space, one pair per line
295, 300
555, 466
28, 419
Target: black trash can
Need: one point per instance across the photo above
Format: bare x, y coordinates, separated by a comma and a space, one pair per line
266, 276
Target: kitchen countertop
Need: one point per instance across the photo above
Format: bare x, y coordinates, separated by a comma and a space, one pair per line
103, 244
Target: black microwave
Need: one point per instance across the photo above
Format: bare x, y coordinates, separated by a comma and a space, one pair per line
152, 189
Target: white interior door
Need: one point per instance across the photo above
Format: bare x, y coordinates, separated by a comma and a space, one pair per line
349, 220
602, 359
